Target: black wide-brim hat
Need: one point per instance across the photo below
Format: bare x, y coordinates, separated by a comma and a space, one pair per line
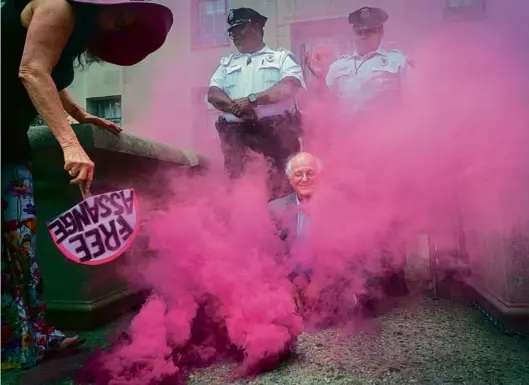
133, 44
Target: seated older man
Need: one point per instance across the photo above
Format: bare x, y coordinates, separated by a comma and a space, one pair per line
326, 299
303, 171
289, 213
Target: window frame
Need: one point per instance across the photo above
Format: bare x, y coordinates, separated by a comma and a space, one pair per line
116, 98
475, 11
197, 42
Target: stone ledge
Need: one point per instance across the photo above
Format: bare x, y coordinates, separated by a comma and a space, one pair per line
89, 315
92, 137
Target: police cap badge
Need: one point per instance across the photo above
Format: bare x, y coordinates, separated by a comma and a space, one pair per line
241, 16
368, 17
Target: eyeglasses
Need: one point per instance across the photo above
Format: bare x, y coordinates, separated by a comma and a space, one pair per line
367, 31
299, 175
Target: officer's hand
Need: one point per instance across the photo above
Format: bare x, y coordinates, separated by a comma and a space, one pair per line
242, 104
314, 64
236, 108
242, 108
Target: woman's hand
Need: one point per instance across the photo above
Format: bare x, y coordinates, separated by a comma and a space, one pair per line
99, 122
79, 167
82, 116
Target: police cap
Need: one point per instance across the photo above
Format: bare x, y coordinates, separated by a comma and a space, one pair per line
241, 16
368, 17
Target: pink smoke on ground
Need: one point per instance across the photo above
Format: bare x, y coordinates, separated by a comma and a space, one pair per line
454, 155
217, 291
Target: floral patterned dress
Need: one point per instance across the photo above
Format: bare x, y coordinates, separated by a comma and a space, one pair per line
25, 334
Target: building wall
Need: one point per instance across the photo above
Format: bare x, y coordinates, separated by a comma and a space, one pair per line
163, 97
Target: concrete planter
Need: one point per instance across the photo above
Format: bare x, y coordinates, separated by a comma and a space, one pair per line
500, 275
80, 296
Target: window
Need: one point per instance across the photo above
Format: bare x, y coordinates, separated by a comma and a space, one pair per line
209, 23
465, 9
107, 107
462, 3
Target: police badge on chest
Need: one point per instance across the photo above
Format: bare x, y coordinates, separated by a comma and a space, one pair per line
269, 59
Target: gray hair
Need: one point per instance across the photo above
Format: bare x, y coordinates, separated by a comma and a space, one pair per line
288, 167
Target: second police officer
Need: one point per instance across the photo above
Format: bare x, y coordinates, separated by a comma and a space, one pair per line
369, 78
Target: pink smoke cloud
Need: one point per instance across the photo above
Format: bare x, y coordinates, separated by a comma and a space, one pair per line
453, 157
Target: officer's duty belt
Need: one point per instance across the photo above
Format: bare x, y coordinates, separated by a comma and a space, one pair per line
269, 121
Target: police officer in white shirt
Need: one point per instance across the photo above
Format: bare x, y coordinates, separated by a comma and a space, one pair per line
369, 78
255, 89
363, 83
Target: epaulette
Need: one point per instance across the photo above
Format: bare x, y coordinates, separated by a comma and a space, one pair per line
287, 53
406, 60
225, 60
397, 51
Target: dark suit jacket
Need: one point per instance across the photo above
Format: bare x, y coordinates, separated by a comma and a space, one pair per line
284, 213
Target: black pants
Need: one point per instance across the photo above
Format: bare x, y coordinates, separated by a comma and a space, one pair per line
275, 138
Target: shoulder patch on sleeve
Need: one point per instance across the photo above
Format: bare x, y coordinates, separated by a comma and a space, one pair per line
397, 55
291, 56
282, 53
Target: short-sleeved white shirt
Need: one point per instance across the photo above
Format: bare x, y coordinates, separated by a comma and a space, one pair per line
240, 75
356, 81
